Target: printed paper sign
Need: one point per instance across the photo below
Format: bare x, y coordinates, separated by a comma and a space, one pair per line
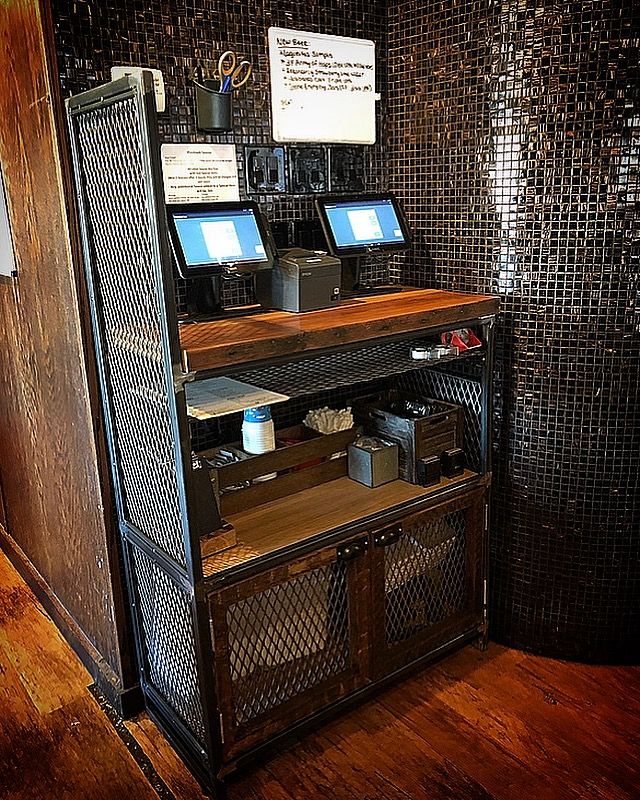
199, 173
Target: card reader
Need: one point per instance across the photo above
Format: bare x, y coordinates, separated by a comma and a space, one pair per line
301, 280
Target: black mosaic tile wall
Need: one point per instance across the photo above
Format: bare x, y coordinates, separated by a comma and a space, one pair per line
180, 35
511, 131
514, 136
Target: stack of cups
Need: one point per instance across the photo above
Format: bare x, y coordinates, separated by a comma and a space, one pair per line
258, 435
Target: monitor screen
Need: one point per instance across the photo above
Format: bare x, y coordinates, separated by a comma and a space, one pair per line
359, 225
209, 237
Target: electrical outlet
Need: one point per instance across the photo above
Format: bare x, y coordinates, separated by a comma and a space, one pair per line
158, 81
264, 170
346, 169
308, 173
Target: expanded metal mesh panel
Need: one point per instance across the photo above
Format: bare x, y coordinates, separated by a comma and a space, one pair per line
342, 369
125, 283
424, 578
168, 641
287, 639
465, 392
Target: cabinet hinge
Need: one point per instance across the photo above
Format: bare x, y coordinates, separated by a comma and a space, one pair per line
486, 517
221, 729
484, 600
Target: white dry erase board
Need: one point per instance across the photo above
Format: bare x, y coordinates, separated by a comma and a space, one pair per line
322, 87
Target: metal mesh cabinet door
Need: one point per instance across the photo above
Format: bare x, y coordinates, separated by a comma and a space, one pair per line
289, 642
119, 223
130, 288
427, 581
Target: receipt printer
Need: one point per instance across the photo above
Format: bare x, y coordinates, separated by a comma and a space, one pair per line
301, 280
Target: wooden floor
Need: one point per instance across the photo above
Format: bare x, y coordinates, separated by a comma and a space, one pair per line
495, 725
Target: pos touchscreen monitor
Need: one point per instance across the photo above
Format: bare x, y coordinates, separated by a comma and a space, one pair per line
210, 238
355, 226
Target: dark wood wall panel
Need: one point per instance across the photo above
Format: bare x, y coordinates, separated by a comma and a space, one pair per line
48, 460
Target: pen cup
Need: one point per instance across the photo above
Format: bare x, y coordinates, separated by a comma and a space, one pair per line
213, 108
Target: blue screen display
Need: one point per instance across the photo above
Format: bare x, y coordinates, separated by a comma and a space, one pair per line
219, 237
363, 223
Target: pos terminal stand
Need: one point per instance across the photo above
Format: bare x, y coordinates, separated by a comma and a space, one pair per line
359, 226
351, 285
214, 242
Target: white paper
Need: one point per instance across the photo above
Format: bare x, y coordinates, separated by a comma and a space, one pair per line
199, 173
7, 253
158, 81
322, 87
216, 397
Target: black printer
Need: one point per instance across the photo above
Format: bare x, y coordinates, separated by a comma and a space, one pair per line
300, 280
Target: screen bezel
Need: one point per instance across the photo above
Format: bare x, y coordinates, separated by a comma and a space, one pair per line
359, 249
218, 268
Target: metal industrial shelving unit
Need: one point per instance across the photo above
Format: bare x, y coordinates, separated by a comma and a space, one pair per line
234, 656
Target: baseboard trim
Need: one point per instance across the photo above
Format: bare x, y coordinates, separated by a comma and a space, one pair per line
127, 702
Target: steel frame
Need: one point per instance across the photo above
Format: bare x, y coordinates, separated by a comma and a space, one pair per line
189, 580
205, 758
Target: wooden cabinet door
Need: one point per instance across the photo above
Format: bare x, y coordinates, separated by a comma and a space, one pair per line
427, 581
289, 642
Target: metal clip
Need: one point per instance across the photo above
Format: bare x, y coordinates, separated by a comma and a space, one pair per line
180, 377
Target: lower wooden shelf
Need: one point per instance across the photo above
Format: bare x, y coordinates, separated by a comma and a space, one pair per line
287, 521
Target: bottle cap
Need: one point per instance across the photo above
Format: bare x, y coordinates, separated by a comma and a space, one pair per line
257, 414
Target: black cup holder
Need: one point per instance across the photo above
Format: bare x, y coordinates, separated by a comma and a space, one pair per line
213, 107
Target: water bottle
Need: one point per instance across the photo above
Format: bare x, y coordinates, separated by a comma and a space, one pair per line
258, 435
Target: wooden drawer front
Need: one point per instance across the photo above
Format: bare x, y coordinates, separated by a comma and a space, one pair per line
426, 578
289, 642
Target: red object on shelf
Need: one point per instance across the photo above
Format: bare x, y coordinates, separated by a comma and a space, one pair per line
287, 442
463, 339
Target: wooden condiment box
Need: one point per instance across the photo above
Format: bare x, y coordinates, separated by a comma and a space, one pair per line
298, 466
416, 437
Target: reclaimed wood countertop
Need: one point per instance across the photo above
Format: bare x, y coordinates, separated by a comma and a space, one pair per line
274, 334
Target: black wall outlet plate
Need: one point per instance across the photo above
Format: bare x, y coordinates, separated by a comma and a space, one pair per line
308, 170
346, 169
264, 170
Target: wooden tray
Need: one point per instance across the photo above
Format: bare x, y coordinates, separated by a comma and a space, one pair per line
299, 466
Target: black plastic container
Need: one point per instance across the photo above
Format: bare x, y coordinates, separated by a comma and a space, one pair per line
214, 108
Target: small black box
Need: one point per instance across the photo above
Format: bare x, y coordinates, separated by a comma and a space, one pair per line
428, 470
301, 280
453, 462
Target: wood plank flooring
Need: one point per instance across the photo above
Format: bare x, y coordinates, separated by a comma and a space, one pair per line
500, 725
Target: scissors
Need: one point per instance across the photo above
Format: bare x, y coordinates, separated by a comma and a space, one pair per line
232, 74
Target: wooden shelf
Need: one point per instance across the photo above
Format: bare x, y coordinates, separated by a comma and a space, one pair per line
273, 334
285, 522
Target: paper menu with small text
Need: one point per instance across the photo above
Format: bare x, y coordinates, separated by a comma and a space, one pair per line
199, 173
